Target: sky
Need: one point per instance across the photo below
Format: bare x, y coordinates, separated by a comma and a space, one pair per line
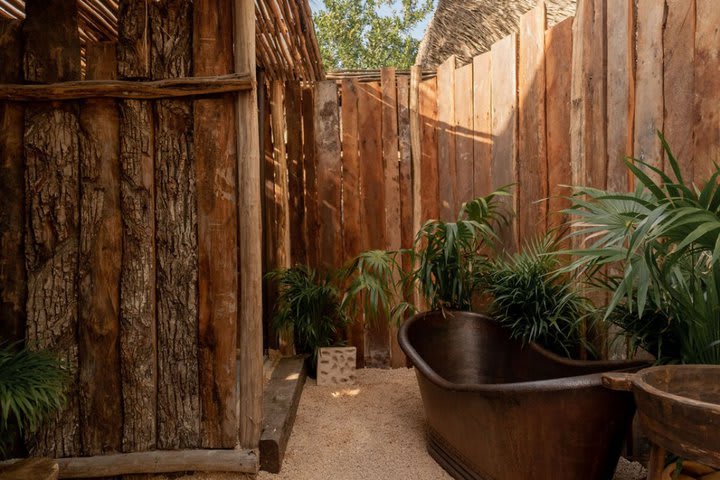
417, 32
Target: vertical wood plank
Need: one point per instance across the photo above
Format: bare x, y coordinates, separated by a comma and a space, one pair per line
429, 184
649, 107
13, 278
558, 78
352, 243
329, 174
464, 137
310, 163
446, 139
250, 225
138, 329
532, 189
620, 91
372, 211
176, 233
482, 124
707, 90
416, 144
393, 234
282, 205
504, 129
296, 199
100, 259
214, 145
678, 82
51, 54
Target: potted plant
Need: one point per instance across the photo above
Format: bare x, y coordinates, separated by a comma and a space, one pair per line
309, 310
32, 387
496, 406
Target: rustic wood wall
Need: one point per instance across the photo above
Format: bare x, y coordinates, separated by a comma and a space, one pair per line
580, 97
119, 229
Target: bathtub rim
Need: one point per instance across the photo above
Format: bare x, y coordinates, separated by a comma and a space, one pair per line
591, 380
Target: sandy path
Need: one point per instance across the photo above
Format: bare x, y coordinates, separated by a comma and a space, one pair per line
372, 431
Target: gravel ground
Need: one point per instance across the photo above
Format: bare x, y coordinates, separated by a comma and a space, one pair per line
373, 430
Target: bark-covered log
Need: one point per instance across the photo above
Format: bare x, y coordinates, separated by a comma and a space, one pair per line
216, 160
99, 268
176, 233
13, 282
138, 336
51, 53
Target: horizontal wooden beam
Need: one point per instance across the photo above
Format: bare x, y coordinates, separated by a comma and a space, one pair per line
159, 461
175, 87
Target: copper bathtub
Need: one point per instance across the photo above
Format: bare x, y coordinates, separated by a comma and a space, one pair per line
498, 410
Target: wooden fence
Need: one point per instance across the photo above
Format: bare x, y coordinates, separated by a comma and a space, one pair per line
543, 109
120, 228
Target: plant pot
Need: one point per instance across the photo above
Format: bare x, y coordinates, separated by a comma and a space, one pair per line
336, 366
679, 410
503, 411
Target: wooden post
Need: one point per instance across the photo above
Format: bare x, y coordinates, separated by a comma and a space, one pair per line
504, 130
558, 77
352, 241
178, 399
13, 277
310, 163
532, 188
52, 54
100, 258
138, 332
416, 145
250, 225
327, 150
620, 91
446, 139
407, 202
214, 145
296, 199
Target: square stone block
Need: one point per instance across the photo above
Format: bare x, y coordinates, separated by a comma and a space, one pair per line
336, 366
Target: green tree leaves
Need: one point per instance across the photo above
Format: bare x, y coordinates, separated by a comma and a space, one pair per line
356, 34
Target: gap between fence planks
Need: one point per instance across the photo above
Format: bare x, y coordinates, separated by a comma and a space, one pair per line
126, 89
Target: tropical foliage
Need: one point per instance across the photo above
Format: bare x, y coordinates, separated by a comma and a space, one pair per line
444, 264
661, 245
369, 33
308, 308
534, 302
32, 386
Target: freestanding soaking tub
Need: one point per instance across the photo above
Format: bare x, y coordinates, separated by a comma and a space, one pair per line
498, 410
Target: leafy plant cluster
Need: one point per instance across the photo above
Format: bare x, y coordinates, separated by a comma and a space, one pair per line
359, 34
32, 387
663, 242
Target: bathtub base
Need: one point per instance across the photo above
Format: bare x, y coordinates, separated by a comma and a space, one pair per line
448, 458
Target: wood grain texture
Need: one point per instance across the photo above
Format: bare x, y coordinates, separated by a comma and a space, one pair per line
13, 278
52, 199
250, 226
679, 82
398, 359
138, 328
280, 166
649, 108
446, 139
620, 91
504, 130
372, 192
416, 145
294, 149
99, 267
178, 399
329, 174
352, 241
215, 154
269, 250
482, 124
310, 163
707, 91
558, 77
52, 43
532, 188
391, 164
430, 199
464, 137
